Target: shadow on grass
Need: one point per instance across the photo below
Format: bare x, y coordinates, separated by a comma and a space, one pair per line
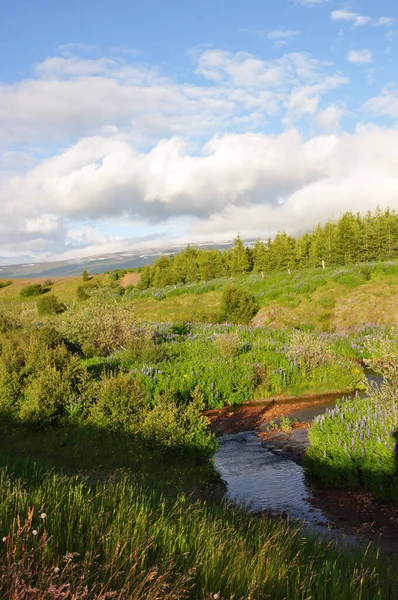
96, 453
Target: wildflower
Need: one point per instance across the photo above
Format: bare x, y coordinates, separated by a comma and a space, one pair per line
4, 539
43, 516
34, 531
56, 569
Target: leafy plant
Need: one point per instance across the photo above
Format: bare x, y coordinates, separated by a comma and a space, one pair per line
237, 306
34, 289
50, 305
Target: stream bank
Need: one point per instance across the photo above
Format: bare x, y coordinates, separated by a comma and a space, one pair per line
261, 465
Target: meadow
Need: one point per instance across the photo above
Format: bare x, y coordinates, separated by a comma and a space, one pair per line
107, 484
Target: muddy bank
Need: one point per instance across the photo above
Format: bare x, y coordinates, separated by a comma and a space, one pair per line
350, 511
254, 415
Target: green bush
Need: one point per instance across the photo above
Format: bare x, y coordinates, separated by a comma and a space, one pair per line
237, 306
4, 284
99, 327
180, 428
85, 275
327, 302
45, 398
50, 305
84, 292
120, 403
308, 351
35, 289
228, 344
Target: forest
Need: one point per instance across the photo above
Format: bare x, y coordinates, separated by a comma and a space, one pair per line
352, 238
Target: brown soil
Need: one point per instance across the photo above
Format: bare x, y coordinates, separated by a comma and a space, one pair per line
130, 279
356, 512
250, 416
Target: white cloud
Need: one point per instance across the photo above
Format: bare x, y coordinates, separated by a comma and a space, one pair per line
356, 19
282, 34
385, 22
252, 183
70, 97
328, 120
360, 56
386, 104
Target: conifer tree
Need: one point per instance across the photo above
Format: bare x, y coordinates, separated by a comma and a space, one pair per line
239, 261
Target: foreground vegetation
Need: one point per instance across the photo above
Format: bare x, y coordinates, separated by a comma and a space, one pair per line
115, 536
106, 484
355, 444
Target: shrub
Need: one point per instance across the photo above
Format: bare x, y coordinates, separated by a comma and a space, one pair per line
85, 275
4, 284
308, 351
50, 305
120, 403
327, 302
48, 283
35, 289
45, 398
99, 328
84, 292
142, 347
237, 306
180, 428
39, 377
228, 344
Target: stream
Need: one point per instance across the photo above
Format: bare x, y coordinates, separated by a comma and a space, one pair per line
262, 477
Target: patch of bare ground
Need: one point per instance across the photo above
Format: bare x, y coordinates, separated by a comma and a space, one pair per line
357, 512
252, 415
130, 279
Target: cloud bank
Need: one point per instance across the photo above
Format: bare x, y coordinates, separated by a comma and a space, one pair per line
103, 154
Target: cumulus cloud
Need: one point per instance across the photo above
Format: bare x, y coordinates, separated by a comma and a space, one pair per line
386, 104
252, 183
360, 56
355, 18
93, 141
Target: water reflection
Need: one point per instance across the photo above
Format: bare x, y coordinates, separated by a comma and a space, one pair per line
262, 479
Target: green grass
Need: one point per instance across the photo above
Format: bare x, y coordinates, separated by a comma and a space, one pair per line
354, 445
123, 534
334, 299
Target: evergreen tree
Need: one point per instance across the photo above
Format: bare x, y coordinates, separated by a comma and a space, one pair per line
239, 261
260, 257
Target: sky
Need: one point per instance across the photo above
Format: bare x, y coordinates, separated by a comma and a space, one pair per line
129, 125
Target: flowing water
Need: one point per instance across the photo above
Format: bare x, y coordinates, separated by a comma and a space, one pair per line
263, 479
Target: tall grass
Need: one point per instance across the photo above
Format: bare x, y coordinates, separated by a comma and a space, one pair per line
122, 537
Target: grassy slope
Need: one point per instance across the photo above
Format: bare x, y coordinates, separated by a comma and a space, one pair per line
331, 300
336, 299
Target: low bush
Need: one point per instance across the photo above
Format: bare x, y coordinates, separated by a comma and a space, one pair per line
84, 292
180, 427
237, 306
50, 305
35, 289
99, 327
228, 344
308, 351
120, 402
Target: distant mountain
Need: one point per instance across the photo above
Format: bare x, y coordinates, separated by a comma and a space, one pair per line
94, 264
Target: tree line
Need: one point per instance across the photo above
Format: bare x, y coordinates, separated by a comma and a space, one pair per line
350, 239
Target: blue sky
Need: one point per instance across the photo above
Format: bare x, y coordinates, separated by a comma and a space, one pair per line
128, 124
